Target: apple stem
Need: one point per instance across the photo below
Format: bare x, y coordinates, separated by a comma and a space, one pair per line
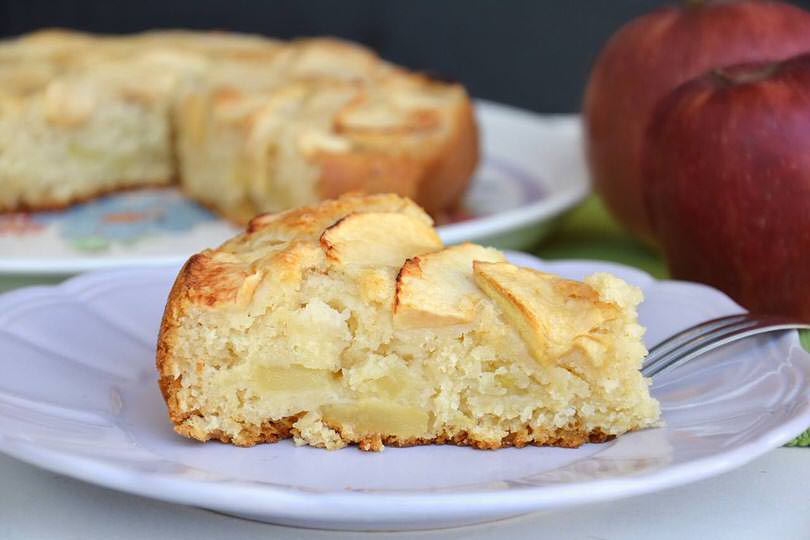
745, 74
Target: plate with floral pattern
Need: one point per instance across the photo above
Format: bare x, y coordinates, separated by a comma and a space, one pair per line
532, 169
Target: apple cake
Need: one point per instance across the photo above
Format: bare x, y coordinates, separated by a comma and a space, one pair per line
244, 124
350, 322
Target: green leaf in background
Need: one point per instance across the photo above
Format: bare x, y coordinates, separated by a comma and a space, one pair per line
801, 440
589, 232
804, 339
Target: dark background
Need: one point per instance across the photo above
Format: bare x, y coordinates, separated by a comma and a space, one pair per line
533, 54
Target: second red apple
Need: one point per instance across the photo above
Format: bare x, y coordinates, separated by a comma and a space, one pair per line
727, 162
648, 58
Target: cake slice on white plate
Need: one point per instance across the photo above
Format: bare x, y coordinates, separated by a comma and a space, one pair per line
350, 323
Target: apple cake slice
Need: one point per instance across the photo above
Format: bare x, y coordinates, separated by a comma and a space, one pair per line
350, 323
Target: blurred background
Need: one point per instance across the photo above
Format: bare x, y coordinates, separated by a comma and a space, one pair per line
529, 53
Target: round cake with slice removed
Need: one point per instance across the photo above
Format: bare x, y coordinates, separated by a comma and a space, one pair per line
350, 322
244, 124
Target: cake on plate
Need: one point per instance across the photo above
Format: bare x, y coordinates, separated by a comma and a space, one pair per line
350, 322
243, 124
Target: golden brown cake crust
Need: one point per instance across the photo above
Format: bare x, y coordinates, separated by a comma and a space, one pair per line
167, 337
47, 205
313, 220
275, 430
448, 176
437, 182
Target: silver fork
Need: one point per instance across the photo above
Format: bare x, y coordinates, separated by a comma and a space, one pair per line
709, 335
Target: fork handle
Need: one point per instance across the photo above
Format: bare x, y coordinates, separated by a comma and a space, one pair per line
668, 363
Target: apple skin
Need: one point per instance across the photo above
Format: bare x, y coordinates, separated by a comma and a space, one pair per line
651, 55
727, 162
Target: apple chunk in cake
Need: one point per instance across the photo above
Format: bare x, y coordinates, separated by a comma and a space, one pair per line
350, 323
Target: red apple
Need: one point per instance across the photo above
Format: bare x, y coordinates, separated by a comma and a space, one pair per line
727, 163
653, 54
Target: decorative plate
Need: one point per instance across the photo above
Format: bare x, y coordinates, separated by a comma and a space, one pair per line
79, 396
532, 170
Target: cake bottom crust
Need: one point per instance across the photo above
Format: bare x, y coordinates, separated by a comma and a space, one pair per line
49, 204
273, 431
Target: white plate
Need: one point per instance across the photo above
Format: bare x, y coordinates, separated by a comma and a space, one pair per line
78, 395
532, 170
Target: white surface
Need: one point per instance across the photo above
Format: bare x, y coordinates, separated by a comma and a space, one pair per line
532, 169
767, 498
84, 402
